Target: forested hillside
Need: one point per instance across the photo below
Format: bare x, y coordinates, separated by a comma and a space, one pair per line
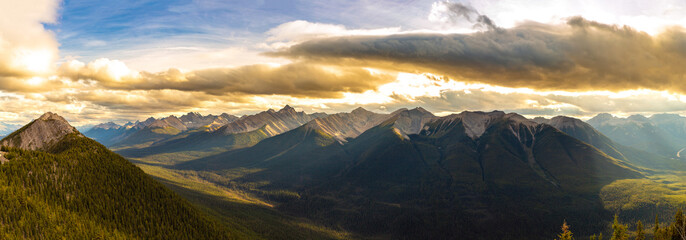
76, 188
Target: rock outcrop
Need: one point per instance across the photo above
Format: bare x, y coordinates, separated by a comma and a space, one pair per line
40, 133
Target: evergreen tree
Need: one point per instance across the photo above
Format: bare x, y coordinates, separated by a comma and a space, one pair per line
657, 230
679, 226
597, 237
566, 234
618, 230
640, 235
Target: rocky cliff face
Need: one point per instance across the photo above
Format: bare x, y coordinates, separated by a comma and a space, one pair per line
195, 120
275, 122
168, 122
40, 133
347, 125
107, 126
412, 121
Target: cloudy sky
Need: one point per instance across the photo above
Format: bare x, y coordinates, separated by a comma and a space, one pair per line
96, 61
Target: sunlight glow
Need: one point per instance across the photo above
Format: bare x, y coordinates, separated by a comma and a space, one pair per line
411, 88
35, 61
35, 81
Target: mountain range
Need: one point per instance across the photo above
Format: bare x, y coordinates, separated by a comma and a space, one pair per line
407, 174
408, 161
6, 129
445, 179
152, 130
661, 134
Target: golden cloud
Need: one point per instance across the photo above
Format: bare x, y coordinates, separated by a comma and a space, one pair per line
296, 79
577, 56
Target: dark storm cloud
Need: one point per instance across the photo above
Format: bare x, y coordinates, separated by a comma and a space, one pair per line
458, 11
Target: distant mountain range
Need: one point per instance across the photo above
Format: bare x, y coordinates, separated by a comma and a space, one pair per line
152, 130
6, 129
663, 134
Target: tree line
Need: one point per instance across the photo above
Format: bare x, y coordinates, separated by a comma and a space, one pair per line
675, 230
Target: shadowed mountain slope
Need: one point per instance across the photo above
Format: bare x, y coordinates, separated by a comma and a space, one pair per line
460, 173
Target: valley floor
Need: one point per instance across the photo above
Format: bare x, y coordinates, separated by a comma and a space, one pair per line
237, 208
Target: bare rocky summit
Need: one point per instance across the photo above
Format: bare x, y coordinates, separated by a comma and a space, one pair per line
347, 125
40, 133
274, 122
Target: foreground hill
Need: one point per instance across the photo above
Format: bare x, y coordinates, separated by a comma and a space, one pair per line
459, 175
59, 184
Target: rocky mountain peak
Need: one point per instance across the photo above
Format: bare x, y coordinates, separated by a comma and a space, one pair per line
41, 133
476, 123
228, 117
638, 118
411, 121
359, 110
147, 122
287, 109
172, 117
605, 119
601, 118
421, 110
107, 125
276, 122
51, 116
191, 116
540, 120
564, 123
